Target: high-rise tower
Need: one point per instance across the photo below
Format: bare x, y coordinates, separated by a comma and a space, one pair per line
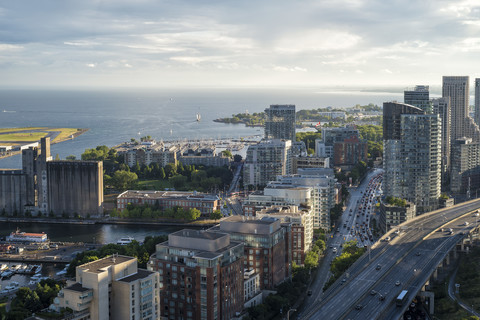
477, 101
412, 155
419, 97
457, 88
280, 122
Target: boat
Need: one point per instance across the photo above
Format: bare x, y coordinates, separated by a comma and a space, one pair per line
125, 240
199, 117
13, 286
22, 269
61, 272
29, 269
36, 277
19, 236
64, 271
37, 268
7, 274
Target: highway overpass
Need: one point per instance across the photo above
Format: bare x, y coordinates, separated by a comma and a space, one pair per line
406, 262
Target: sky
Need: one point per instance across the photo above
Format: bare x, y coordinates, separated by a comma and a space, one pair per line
236, 43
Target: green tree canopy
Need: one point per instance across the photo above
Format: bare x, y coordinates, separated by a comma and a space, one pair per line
123, 180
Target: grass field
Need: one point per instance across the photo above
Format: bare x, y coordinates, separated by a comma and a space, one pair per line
23, 136
65, 133
19, 134
154, 184
22, 129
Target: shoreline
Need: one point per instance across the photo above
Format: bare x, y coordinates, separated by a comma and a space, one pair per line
79, 132
194, 224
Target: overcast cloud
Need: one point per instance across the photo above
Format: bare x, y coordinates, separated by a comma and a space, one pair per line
237, 43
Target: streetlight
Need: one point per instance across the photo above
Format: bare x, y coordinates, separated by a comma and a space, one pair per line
288, 313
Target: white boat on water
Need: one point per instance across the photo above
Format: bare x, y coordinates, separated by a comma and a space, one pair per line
125, 240
13, 286
64, 271
7, 273
37, 268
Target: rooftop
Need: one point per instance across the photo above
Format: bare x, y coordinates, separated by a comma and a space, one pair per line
199, 234
77, 287
98, 265
141, 274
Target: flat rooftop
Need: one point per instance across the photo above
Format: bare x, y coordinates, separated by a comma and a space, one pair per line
77, 287
198, 234
141, 274
98, 265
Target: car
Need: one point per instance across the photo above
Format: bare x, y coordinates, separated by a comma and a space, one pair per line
344, 280
378, 267
334, 250
350, 210
397, 283
373, 292
309, 292
381, 297
358, 307
418, 253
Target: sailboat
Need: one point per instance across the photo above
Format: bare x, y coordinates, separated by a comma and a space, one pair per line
199, 117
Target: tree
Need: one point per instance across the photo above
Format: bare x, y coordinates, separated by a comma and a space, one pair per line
227, 153
170, 170
215, 215
71, 157
123, 180
311, 260
237, 158
320, 244
193, 214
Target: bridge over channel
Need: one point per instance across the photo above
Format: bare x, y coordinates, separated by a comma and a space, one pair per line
412, 257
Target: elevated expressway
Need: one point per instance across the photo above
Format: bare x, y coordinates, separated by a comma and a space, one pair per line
406, 262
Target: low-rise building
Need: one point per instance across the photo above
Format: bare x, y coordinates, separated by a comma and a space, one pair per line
206, 203
266, 247
111, 288
277, 195
300, 229
392, 215
201, 275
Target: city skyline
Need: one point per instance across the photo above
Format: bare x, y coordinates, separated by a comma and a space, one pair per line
229, 44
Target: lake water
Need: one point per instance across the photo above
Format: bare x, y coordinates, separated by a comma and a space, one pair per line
116, 116
98, 233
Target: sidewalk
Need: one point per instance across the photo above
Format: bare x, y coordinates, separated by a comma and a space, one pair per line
452, 295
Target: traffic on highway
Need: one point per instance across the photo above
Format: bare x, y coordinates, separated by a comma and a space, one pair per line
404, 263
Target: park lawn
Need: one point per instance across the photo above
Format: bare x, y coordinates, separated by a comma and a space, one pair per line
23, 136
65, 133
21, 129
154, 184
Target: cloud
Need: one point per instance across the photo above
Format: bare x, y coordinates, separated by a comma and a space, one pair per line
289, 69
316, 40
9, 47
236, 41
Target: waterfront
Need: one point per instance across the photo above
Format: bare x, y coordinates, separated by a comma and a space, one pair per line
115, 116
88, 233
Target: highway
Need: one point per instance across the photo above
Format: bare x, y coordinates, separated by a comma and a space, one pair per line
338, 238
405, 262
